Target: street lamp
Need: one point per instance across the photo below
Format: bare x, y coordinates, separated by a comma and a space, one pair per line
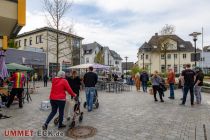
126, 58
143, 58
194, 35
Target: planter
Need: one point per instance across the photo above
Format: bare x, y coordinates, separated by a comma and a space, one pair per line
205, 89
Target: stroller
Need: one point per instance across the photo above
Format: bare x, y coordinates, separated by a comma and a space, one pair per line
95, 101
76, 112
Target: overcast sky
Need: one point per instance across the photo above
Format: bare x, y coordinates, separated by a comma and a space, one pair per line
124, 25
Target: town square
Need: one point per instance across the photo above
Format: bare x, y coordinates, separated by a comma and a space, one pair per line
104, 70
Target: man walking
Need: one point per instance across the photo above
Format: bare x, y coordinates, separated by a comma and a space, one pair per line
45, 78
18, 80
90, 80
171, 81
144, 78
188, 77
198, 83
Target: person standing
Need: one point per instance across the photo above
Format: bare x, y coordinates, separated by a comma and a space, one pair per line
171, 81
144, 78
137, 82
45, 78
188, 76
18, 80
156, 81
198, 83
58, 98
75, 82
90, 80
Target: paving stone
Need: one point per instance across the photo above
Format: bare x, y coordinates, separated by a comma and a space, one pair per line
125, 116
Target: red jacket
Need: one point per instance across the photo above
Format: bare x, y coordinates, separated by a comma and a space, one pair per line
59, 86
171, 77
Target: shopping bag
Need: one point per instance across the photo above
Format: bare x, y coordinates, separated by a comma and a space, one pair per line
151, 91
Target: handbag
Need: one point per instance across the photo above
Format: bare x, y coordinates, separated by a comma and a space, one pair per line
162, 87
151, 91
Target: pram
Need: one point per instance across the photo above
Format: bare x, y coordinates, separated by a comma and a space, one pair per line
95, 101
76, 112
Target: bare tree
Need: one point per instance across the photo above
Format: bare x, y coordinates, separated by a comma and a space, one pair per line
167, 30
55, 12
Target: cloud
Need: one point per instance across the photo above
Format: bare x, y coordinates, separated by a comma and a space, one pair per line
123, 25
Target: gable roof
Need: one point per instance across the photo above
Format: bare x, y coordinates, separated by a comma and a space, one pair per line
115, 55
157, 39
47, 29
88, 48
206, 49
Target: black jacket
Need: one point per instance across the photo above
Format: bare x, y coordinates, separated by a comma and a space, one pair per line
90, 79
144, 77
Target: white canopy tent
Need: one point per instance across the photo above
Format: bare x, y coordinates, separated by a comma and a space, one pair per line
86, 66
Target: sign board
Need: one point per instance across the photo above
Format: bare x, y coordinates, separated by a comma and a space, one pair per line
193, 59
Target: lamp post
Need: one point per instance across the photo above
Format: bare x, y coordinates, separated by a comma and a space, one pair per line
194, 35
143, 58
126, 58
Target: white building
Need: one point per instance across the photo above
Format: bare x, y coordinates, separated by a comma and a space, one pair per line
45, 39
177, 52
205, 60
96, 53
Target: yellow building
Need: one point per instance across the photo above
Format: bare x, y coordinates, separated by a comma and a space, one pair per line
165, 49
12, 19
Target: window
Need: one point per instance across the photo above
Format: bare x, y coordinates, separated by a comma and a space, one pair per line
147, 56
39, 39
169, 66
16, 43
162, 56
25, 42
95, 52
87, 60
19, 43
169, 56
116, 62
175, 68
142, 57
162, 68
30, 41
184, 56
175, 56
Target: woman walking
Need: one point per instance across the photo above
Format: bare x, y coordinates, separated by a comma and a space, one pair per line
74, 82
156, 81
58, 98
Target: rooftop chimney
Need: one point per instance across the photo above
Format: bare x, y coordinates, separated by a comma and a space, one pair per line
156, 34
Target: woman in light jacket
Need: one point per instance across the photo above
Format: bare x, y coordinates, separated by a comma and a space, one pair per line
58, 98
156, 80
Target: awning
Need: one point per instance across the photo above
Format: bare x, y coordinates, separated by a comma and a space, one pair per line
14, 66
86, 66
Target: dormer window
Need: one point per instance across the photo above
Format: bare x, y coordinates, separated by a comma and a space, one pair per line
181, 46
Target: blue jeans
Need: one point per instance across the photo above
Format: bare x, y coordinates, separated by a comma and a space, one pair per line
144, 86
186, 89
90, 92
171, 85
55, 105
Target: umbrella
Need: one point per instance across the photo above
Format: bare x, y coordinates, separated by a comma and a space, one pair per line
86, 66
3, 68
15, 66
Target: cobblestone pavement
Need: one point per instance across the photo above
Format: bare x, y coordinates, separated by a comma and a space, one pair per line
122, 116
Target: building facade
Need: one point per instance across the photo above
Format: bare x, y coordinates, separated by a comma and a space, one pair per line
35, 60
164, 51
96, 53
205, 60
45, 39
